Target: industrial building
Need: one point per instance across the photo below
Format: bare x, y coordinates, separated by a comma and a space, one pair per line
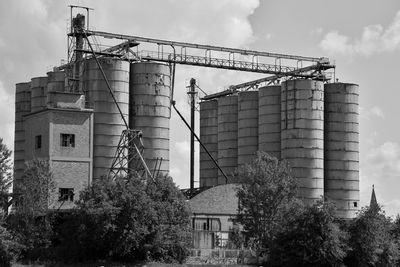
311, 124
80, 115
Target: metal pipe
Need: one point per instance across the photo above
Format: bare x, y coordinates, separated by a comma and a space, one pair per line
198, 139
192, 126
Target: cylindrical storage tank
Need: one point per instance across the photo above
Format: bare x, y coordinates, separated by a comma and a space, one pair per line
302, 136
108, 123
342, 183
38, 93
55, 81
150, 111
247, 126
269, 121
22, 107
227, 136
209, 138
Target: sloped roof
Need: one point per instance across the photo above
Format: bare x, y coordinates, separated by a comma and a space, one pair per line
220, 199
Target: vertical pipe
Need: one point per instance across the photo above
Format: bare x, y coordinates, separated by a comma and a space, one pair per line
192, 125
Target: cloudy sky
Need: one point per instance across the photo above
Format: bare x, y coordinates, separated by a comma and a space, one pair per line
361, 36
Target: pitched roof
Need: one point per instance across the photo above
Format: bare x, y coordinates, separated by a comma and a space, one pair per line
373, 203
220, 199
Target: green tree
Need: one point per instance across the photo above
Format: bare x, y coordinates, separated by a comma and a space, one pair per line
267, 188
127, 219
310, 238
372, 242
5, 175
10, 248
32, 221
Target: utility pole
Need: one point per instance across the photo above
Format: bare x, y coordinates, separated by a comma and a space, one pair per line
192, 95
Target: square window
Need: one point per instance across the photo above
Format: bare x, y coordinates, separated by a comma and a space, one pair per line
355, 204
38, 141
66, 194
67, 140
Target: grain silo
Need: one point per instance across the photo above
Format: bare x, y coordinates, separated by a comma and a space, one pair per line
22, 107
302, 143
247, 126
209, 138
55, 81
342, 147
108, 124
150, 111
269, 123
38, 93
227, 136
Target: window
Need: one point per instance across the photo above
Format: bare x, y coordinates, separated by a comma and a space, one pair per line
38, 141
355, 204
67, 140
66, 194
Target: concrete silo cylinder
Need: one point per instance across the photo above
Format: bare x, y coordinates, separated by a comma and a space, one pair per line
342, 148
269, 122
227, 136
150, 110
302, 142
108, 123
247, 126
209, 138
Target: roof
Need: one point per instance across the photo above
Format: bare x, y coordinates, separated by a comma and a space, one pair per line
220, 200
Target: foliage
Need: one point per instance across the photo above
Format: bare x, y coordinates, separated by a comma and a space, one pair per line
310, 238
127, 220
372, 242
31, 221
5, 174
9, 245
264, 195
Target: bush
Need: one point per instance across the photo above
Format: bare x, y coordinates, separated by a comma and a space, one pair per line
310, 238
127, 220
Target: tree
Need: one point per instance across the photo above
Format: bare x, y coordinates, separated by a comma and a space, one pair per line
5, 175
32, 221
127, 219
371, 239
310, 238
267, 188
9, 245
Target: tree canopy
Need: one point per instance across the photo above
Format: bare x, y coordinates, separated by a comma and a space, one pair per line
5, 174
310, 238
266, 190
128, 219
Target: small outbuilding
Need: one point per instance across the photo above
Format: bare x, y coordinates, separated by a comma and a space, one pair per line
213, 214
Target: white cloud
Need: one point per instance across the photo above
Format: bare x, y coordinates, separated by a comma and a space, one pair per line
368, 114
183, 147
317, 31
374, 39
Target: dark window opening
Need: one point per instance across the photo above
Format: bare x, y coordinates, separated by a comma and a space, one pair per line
355, 204
66, 194
38, 141
67, 140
